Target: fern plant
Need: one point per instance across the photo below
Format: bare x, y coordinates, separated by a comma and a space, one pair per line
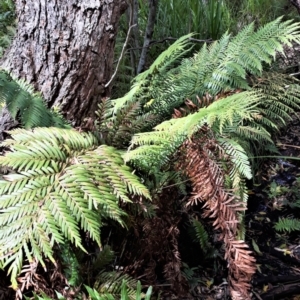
62, 182
244, 110
226, 67
26, 105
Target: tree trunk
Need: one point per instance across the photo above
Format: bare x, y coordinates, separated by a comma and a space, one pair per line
153, 5
65, 49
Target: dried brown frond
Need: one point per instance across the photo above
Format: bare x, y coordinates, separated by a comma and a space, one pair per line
34, 278
193, 106
199, 161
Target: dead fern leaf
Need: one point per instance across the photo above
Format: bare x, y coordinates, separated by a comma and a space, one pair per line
199, 161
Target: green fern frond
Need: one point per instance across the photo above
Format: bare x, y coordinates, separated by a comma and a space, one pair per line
202, 237
70, 264
219, 114
287, 225
249, 49
150, 157
114, 282
251, 132
164, 62
280, 98
22, 102
237, 166
104, 257
223, 65
64, 182
168, 58
238, 157
159, 145
233, 115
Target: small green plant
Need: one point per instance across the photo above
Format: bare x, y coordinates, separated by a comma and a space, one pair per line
282, 196
190, 275
287, 225
95, 295
202, 238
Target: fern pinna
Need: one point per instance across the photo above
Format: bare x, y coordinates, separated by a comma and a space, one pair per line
26, 105
63, 181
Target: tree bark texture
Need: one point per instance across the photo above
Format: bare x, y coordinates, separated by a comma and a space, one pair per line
65, 48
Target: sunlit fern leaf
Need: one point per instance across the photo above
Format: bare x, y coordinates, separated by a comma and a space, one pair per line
224, 64
250, 49
63, 182
152, 157
23, 103
220, 113
159, 145
165, 61
238, 157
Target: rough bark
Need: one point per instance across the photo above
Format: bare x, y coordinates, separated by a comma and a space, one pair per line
65, 49
6, 123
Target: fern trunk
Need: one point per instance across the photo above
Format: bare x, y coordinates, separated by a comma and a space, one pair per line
66, 49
